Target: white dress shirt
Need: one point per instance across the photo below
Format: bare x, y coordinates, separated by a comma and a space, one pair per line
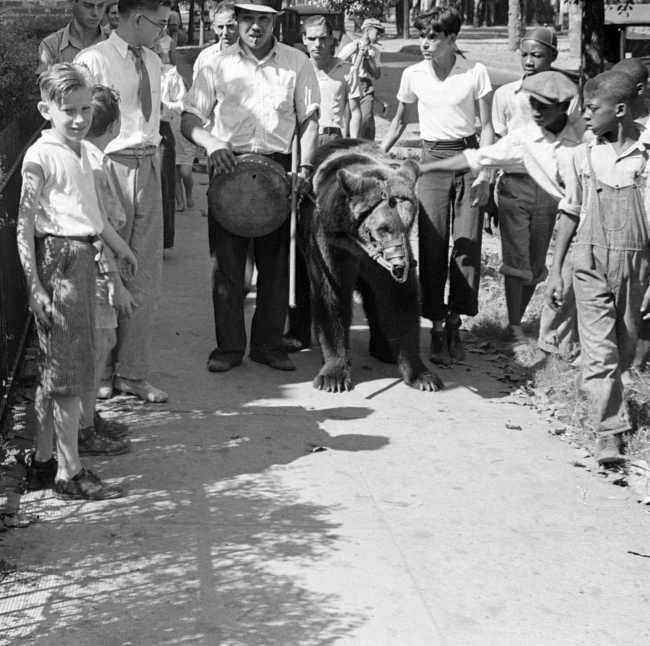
531, 150
111, 63
252, 104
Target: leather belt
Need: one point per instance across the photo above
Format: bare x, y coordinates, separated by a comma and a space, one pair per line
329, 130
137, 151
87, 239
454, 144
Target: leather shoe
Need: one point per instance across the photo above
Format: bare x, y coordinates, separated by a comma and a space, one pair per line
609, 451
276, 360
220, 362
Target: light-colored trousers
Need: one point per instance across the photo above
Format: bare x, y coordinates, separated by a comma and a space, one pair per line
139, 180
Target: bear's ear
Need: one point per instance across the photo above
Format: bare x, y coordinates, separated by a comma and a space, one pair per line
410, 170
350, 183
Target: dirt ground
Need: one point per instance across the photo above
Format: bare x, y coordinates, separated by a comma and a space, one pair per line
261, 512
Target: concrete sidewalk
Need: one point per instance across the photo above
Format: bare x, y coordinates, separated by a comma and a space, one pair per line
264, 513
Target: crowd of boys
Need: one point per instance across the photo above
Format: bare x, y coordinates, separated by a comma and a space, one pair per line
90, 222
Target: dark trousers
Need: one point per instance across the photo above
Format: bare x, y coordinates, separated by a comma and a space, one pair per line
168, 182
229, 253
446, 210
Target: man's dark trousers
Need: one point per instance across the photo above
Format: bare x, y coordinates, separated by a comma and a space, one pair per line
229, 253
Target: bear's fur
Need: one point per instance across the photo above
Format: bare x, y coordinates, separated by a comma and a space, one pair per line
361, 216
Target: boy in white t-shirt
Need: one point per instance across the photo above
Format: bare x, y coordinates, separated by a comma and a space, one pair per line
59, 219
450, 95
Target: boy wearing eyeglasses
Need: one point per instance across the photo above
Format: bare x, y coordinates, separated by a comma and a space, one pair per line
126, 63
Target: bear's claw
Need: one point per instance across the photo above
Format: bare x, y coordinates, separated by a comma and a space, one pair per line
334, 379
427, 382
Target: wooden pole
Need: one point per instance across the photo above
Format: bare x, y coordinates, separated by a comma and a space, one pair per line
593, 36
292, 222
405, 26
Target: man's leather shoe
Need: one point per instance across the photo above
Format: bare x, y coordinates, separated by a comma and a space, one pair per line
276, 360
220, 362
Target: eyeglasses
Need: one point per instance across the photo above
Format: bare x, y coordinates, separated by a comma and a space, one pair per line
160, 26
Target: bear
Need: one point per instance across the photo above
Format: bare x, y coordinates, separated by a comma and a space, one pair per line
354, 232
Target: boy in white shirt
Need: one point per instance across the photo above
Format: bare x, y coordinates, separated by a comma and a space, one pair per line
59, 219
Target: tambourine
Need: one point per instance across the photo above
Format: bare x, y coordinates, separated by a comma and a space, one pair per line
254, 199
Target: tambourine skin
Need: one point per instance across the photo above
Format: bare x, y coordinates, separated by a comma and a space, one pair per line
253, 200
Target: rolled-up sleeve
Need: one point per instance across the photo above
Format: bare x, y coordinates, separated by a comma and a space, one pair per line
570, 163
307, 92
505, 153
202, 96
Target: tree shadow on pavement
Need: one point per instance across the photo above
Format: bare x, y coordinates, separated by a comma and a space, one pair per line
211, 546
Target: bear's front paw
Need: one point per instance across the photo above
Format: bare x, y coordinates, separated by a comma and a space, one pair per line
334, 377
426, 381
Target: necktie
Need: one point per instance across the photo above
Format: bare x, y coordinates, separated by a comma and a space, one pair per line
144, 85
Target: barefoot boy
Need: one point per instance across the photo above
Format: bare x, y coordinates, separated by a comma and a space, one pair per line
606, 208
58, 221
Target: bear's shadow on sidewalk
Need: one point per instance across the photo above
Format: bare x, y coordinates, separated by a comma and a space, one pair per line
209, 547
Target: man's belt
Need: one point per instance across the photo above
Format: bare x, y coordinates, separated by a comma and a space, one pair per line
87, 239
329, 130
453, 144
136, 151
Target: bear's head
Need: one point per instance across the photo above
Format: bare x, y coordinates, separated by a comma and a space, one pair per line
383, 206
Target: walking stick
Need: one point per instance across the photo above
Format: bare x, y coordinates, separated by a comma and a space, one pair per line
292, 221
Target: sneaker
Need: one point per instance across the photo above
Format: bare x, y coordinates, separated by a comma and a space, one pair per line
454, 342
86, 486
110, 429
40, 475
92, 443
609, 451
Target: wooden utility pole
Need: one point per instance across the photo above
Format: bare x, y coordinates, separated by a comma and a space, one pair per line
593, 36
515, 24
405, 24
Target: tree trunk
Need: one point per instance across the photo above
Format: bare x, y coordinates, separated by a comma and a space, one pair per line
515, 24
593, 31
575, 31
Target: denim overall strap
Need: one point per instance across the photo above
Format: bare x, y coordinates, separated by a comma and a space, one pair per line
615, 217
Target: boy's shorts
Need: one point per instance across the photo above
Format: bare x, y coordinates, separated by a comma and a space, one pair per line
527, 217
66, 269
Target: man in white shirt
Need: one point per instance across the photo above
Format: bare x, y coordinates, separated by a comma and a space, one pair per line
527, 212
224, 25
253, 97
126, 63
451, 95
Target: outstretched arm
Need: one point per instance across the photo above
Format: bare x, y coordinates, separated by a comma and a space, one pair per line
396, 127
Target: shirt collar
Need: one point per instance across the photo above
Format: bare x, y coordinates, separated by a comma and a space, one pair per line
68, 39
119, 43
240, 50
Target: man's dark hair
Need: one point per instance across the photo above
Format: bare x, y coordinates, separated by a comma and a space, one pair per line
441, 21
317, 21
618, 87
106, 110
127, 6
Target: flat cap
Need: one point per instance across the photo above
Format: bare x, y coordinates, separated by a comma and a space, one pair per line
550, 87
543, 35
373, 22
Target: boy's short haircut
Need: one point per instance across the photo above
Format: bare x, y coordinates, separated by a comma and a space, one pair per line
59, 79
106, 110
617, 87
443, 20
317, 21
634, 67
127, 6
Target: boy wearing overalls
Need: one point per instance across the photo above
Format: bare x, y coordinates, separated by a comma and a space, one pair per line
605, 207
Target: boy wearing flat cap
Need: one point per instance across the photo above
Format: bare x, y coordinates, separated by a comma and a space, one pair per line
605, 209
526, 211
529, 152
